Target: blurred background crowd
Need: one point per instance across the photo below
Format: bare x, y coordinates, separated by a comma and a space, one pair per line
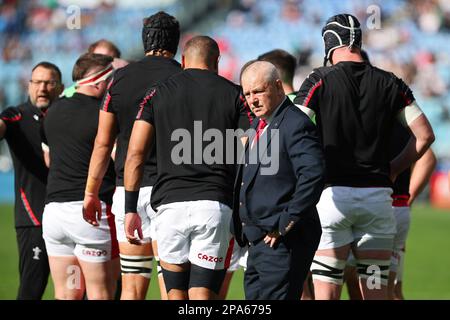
408, 37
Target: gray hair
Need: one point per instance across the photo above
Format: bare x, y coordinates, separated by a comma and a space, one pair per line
268, 71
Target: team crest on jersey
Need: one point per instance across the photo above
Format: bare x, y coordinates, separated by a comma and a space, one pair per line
36, 251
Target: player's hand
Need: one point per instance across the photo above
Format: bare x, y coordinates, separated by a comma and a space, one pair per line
92, 209
411, 199
271, 238
132, 223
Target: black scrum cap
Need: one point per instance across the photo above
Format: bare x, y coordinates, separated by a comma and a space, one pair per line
161, 31
342, 30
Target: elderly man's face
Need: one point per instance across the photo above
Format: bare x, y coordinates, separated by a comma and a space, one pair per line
262, 96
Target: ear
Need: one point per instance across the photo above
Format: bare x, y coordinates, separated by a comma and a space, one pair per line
216, 65
183, 63
279, 84
61, 89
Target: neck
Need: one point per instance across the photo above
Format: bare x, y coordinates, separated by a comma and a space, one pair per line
288, 88
160, 53
200, 66
346, 55
87, 90
42, 109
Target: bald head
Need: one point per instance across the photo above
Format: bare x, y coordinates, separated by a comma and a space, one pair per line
201, 52
262, 88
264, 69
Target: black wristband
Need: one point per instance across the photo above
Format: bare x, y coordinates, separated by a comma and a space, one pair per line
131, 200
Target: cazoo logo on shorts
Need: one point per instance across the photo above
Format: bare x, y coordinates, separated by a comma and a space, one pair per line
94, 252
208, 258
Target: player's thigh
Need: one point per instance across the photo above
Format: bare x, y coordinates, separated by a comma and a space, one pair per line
144, 249
67, 275
136, 262
99, 276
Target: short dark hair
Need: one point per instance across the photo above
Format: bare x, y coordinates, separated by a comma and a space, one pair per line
161, 31
204, 48
283, 61
105, 43
88, 61
48, 65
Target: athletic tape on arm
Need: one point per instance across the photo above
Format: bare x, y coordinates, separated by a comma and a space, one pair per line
410, 113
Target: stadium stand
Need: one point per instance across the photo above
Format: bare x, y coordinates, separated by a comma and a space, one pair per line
412, 40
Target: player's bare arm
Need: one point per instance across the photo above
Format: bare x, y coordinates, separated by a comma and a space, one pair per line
421, 173
423, 137
138, 148
104, 142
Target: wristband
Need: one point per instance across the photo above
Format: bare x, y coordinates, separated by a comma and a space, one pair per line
131, 199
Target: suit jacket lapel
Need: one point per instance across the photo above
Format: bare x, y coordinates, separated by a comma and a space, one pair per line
274, 124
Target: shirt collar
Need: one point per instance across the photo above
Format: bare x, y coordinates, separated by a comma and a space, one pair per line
37, 111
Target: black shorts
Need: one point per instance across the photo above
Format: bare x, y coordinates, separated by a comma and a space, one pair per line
33, 263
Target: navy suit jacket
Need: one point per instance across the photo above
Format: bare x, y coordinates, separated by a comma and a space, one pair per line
270, 202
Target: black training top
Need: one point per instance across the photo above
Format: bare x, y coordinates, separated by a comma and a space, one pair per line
400, 138
356, 106
70, 128
23, 126
126, 91
185, 170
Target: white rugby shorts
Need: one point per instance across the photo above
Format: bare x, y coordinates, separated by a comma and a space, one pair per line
66, 233
237, 256
195, 231
360, 215
144, 209
403, 220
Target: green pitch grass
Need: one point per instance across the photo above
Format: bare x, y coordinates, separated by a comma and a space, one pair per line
426, 265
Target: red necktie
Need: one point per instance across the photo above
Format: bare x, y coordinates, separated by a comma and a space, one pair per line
259, 130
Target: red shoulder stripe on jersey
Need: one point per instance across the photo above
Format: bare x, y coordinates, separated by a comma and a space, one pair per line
28, 208
13, 119
110, 84
106, 102
249, 112
406, 99
144, 102
311, 92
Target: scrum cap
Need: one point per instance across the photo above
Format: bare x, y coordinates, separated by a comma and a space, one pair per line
340, 31
161, 31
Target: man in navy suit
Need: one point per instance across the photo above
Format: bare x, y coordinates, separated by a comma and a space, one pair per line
277, 190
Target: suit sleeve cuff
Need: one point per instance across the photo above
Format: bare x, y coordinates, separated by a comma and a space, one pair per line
286, 222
